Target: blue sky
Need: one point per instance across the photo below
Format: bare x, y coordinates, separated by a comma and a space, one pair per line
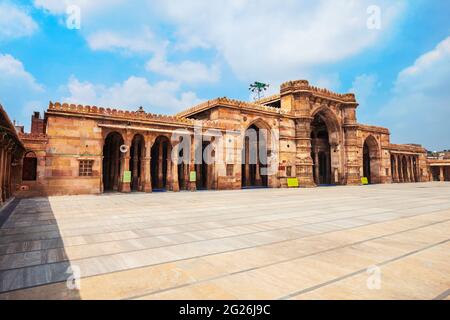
169, 55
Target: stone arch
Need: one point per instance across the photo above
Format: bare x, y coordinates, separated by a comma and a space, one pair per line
160, 164
112, 163
29, 169
372, 160
256, 146
326, 138
332, 123
136, 165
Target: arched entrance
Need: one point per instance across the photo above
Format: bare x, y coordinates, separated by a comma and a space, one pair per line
254, 157
29, 171
160, 163
321, 151
204, 170
137, 152
112, 161
371, 160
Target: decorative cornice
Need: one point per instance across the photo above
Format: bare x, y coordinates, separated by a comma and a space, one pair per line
376, 129
406, 148
268, 99
303, 85
117, 114
229, 103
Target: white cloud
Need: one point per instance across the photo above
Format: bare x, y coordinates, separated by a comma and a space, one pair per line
13, 74
419, 109
162, 97
15, 22
257, 39
19, 90
87, 6
266, 39
142, 42
190, 72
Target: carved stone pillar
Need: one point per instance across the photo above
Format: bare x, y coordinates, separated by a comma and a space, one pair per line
441, 174
400, 166
186, 175
175, 183
353, 163
192, 184
135, 179
160, 164
147, 170
247, 162
408, 170
316, 167
125, 166
395, 171
304, 163
169, 174
258, 180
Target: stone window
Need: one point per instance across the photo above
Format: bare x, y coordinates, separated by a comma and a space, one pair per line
288, 171
29, 171
230, 169
86, 168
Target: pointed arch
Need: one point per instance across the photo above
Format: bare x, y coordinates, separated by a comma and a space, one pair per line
112, 161
255, 150
137, 155
372, 160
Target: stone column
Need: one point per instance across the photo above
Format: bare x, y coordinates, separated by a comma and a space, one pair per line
411, 174
192, 184
408, 168
400, 166
247, 163
169, 174
186, 175
441, 174
395, 169
353, 158
304, 163
175, 183
135, 164
160, 165
125, 160
316, 167
115, 174
258, 180
147, 166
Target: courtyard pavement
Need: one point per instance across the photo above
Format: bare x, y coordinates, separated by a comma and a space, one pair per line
371, 242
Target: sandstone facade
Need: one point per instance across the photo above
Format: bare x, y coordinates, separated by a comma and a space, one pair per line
309, 135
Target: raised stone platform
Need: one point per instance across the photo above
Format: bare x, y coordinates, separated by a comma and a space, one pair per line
251, 244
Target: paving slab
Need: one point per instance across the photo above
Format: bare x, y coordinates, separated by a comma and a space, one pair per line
318, 243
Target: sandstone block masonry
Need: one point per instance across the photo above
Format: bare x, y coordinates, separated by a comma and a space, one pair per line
309, 135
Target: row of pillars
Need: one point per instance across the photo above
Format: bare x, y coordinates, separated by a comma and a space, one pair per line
143, 181
442, 175
404, 168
